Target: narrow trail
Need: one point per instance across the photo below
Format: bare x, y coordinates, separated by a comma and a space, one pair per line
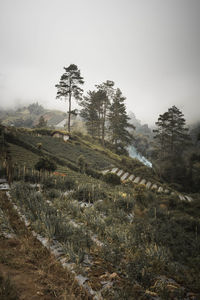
32, 270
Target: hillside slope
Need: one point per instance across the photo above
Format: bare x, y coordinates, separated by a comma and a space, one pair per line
124, 241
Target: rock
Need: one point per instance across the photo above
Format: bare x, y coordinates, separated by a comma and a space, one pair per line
4, 187
114, 276
81, 279
136, 180
160, 189
131, 177
143, 181
188, 198
181, 197
125, 176
154, 187
114, 170
148, 184
105, 172
119, 173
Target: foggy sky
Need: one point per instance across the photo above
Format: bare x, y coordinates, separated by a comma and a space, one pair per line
149, 48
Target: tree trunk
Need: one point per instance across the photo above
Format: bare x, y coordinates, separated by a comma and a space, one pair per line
103, 124
69, 113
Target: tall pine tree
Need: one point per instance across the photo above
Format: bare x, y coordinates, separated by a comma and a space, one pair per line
90, 113
69, 86
119, 123
107, 90
171, 133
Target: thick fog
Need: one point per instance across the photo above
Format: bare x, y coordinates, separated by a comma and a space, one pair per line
149, 48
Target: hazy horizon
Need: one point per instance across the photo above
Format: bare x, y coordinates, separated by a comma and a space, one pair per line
150, 49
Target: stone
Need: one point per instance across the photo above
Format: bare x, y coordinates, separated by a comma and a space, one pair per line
143, 181
131, 177
119, 173
148, 184
114, 170
166, 191
65, 138
105, 172
136, 180
4, 186
114, 276
160, 189
181, 197
189, 198
125, 176
154, 187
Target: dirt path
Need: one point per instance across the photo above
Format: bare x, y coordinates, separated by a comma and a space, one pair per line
33, 272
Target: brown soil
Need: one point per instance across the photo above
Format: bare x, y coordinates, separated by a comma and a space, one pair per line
32, 271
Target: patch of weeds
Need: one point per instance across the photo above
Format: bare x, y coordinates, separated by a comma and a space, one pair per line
89, 193
111, 178
7, 290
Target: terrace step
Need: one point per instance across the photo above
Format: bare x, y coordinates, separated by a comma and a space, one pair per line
125, 176
149, 185
136, 180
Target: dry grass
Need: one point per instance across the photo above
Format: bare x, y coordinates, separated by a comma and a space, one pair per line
32, 270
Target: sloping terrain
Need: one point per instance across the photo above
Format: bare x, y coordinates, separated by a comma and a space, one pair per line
123, 241
30, 117
27, 270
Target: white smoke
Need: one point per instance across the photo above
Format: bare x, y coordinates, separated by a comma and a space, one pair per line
134, 154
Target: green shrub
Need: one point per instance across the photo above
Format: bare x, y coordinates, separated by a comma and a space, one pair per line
89, 193
139, 193
93, 173
111, 178
31, 178
124, 203
53, 193
82, 164
45, 164
57, 182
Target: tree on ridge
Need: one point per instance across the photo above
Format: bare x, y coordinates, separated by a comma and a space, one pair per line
69, 86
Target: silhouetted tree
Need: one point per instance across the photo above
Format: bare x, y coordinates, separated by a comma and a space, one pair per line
93, 112
36, 109
45, 164
69, 86
119, 122
42, 122
171, 133
107, 90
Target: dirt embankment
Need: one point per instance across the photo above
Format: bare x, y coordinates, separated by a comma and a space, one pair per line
33, 273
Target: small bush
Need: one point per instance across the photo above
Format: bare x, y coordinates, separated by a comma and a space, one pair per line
89, 193
82, 164
45, 163
125, 203
59, 183
31, 178
112, 178
93, 173
53, 193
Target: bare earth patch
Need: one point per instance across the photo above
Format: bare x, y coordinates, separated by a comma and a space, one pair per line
31, 269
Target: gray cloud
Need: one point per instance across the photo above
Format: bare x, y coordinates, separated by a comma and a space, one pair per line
150, 48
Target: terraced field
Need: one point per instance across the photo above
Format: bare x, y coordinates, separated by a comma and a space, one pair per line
22, 156
127, 241
111, 242
70, 150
